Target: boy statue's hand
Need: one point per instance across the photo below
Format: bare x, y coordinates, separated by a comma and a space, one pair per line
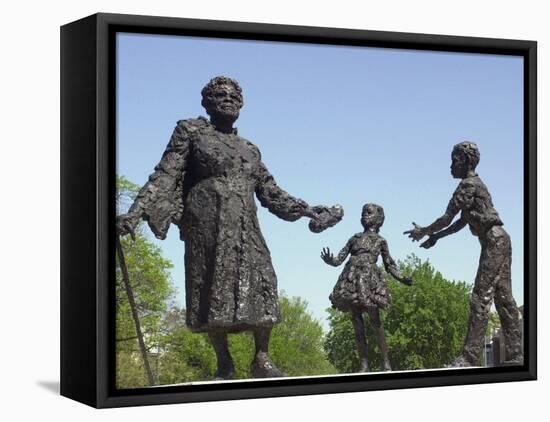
417, 233
432, 240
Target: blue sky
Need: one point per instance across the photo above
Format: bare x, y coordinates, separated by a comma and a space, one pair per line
335, 124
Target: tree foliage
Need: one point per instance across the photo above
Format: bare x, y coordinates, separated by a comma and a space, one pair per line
149, 276
185, 356
425, 324
493, 324
297, 341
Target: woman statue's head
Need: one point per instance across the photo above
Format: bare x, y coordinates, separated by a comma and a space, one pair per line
222, 98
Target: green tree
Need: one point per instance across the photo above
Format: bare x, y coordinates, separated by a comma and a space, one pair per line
425, 324
151, 288
185, 356
493, 325
297, 342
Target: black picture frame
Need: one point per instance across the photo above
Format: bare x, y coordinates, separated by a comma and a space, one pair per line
88, 211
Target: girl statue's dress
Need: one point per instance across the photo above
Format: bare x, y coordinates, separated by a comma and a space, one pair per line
361, 287
361, 284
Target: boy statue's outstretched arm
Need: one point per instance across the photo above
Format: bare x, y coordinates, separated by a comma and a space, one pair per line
453, 228
461, 196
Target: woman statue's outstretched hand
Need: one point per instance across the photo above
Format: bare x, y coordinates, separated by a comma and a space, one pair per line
125, 225
323, 217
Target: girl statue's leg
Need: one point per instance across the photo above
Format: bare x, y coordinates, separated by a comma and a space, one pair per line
360, 339
374, 316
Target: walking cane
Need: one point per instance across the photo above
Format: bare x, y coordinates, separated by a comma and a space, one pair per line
130, 293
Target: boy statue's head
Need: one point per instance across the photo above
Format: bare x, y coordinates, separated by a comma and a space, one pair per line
464, 159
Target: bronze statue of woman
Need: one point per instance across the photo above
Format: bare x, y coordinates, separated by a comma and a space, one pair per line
361, 286
205, 183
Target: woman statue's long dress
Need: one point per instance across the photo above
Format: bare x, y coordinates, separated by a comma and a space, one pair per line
205, 184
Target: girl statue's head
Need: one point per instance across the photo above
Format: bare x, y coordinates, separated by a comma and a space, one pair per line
372, 217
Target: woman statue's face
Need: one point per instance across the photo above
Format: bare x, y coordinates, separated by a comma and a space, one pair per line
224, 102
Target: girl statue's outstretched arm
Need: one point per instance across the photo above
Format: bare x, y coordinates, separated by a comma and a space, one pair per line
330, 259
390, 265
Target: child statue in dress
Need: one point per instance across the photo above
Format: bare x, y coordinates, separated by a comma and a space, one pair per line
361, 286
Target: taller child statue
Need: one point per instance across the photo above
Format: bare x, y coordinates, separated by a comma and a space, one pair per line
493, 280
205, 184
